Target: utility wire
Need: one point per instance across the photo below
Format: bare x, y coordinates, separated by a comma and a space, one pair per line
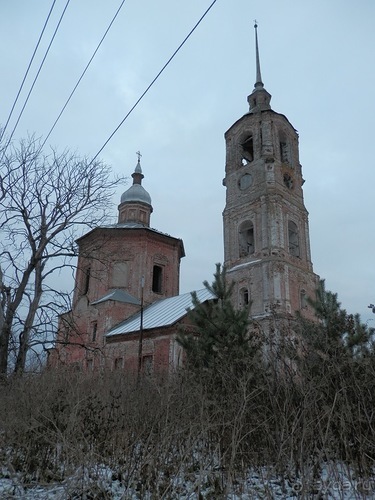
27, 71
82, 75
36, 77
154, 80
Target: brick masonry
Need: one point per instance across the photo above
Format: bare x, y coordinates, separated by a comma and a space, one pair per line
266, 251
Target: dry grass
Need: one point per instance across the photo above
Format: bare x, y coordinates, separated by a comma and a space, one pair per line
150, 433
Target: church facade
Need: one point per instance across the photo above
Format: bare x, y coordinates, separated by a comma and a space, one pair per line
122, 270
127, 310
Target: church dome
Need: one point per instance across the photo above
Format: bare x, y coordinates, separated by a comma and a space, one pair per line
136, 193
135, 205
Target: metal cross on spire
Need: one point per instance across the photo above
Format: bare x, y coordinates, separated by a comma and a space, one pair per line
138, 169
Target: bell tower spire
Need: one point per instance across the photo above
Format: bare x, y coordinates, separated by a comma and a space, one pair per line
259, 99
258, 82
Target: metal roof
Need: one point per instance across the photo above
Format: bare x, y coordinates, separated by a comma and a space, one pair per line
135, 193
119, 296
131, 225
164, 312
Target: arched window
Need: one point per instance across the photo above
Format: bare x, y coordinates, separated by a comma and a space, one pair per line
293, 239
244, 297
247, 150
246, 239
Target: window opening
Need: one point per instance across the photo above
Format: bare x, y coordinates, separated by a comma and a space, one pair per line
245, 297
94, 329
86, 283
293, 238
303, 299
246, 239
284, 152
118, 363
157, 276
288, 181
248, 149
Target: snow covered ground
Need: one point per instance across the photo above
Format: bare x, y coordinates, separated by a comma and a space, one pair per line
100, 482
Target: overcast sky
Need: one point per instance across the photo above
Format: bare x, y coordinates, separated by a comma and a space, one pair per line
317, 60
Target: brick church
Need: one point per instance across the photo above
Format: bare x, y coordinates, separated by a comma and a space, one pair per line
126, 308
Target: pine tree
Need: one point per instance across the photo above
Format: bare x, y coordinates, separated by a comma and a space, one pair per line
337, 334
336, 371
222, 341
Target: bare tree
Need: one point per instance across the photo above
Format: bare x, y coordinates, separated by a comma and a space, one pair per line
46, 201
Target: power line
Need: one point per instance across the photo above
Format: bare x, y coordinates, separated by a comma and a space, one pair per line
154, 80
37, 75
83, 74
27, 71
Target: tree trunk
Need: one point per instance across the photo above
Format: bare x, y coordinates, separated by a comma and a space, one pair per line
4, 328
8, 317
29, 321
4, 346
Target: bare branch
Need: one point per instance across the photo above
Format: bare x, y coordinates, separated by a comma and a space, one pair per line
44, 199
